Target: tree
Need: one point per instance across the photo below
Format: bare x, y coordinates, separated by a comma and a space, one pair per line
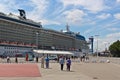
115, 49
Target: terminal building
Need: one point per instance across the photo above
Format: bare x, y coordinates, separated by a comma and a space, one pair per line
19, 35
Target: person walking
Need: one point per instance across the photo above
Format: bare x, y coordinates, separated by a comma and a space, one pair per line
16, 59
61, 61
37, 59
42, 62
47, 62
68, 64
8, 59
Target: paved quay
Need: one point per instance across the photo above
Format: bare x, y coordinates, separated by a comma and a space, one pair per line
79, 71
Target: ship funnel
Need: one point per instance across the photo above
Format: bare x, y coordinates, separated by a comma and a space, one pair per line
22, 13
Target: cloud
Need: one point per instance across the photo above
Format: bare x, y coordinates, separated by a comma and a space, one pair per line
109, 39
88, 31
104, 16
118, 1
7, 6
3, 8
36, 12
117, 16
113, 29
39, 8
49, 22
91, 5
114, 35
74, 16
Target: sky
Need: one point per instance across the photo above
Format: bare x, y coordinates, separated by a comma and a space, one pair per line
97, 18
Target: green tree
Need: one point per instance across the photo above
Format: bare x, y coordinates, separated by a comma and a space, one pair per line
115, 49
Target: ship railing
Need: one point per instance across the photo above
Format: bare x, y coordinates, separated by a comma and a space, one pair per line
17, 44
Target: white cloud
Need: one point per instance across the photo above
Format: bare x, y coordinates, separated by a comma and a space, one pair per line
114, 35
39, 8
74, 16
88, 31
7, 6
117, 16
92, 22
49, 22
113, 29
109, 39
118, 1
103, 16
91, 5
3, 8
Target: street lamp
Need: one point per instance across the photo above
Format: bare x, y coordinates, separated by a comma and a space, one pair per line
37, 40
97, 44
105, 46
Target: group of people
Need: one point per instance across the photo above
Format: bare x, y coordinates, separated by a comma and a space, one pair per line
61, 61
84, 58
46, 62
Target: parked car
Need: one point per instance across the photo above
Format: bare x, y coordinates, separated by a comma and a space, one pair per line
53, 57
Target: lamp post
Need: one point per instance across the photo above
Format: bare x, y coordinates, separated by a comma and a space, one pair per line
97, 44
105, 46
37, 40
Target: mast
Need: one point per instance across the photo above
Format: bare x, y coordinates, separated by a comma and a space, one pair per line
67, 28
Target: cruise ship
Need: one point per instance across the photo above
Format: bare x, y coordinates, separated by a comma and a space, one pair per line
19, 34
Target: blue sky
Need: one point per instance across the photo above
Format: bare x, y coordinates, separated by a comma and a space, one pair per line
89, 17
